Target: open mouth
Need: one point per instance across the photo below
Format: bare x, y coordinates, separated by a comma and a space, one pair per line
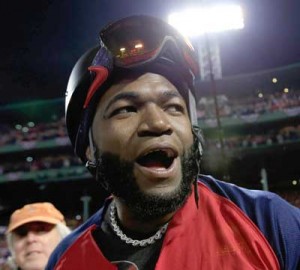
158, 158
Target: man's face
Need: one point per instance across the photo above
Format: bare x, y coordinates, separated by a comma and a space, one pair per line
143, 127
33, 243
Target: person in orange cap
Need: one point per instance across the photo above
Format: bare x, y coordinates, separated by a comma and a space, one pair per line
32, 234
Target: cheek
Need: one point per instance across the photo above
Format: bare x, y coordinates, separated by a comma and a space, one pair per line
18, 245
184, 131
113, 138
19, 250
51, 242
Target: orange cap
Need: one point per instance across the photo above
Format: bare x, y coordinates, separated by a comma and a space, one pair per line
43, 212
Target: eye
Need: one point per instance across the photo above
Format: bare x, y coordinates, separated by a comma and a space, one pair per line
36, 227
21, 231
175, 108
123, 111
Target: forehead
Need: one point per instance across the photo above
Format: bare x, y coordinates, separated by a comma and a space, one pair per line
146, 83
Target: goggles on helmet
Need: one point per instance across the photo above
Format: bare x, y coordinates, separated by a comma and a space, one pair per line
136, 41
139, 39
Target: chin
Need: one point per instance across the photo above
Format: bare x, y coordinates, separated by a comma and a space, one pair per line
35, 266
162, 188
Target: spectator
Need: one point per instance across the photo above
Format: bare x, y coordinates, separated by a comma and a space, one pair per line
33, 232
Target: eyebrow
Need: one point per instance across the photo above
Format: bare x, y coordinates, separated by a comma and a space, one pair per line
124, 96
170, 93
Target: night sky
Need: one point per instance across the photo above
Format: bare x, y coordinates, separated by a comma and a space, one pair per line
42, 39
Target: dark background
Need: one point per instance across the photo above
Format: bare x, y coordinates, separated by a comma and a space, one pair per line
42, 39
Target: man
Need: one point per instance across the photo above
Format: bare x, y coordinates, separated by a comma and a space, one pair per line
130, 112
32, 234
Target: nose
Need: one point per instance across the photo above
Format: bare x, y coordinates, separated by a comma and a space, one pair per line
31, 236
154, 122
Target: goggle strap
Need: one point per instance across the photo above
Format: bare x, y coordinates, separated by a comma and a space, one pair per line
192, 108
92, 147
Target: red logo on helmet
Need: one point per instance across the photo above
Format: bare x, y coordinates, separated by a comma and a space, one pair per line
101, 76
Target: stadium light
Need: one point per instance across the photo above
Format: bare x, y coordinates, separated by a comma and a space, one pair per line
207, 19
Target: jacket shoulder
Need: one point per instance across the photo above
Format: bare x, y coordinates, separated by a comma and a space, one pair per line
278, 220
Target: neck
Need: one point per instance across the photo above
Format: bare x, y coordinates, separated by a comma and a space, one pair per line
130, 222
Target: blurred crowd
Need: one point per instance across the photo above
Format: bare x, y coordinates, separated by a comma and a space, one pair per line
27, 136
271, 137
292, 197
22, 135
39, 164
258, 105
4, 252
228, 107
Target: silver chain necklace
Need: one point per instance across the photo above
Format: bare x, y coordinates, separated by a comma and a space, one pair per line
141, 243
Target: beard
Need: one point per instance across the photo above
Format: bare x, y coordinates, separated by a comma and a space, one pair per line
118, 178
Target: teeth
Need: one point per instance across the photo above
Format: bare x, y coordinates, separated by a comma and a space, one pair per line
157, 158
169, 152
